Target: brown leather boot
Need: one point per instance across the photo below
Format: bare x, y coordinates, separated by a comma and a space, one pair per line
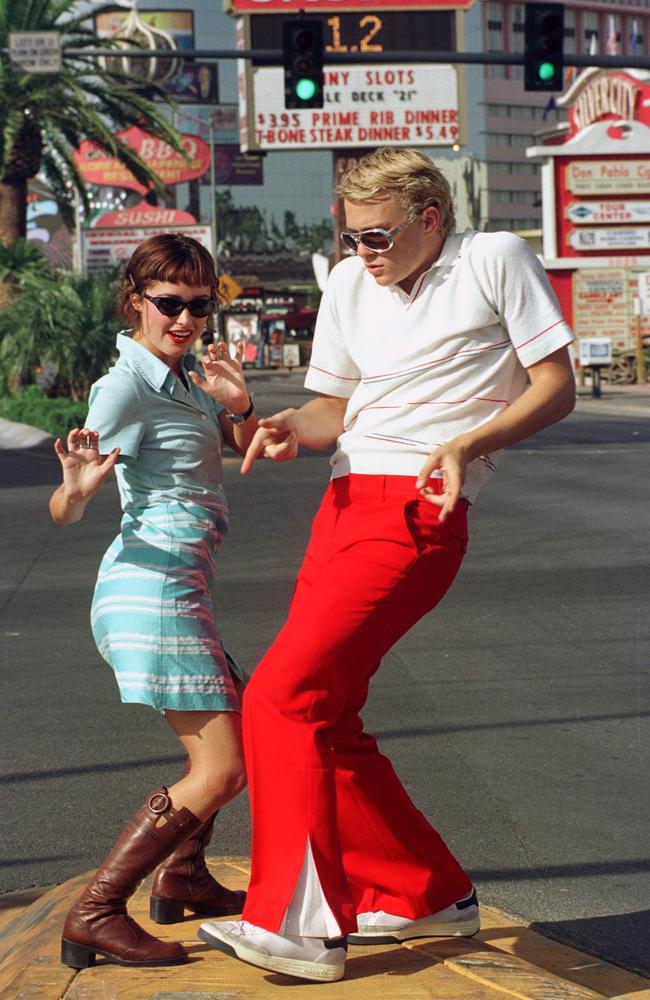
183, 881
98, 923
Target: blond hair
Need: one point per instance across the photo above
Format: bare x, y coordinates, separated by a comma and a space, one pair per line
411, 176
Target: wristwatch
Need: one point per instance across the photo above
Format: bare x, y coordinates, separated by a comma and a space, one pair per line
241, 418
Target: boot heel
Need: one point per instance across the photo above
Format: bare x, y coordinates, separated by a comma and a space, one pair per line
76, 956
166, 911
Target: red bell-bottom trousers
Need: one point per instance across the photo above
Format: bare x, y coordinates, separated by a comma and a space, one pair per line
378, 560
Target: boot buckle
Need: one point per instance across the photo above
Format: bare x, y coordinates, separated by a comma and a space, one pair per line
160, 802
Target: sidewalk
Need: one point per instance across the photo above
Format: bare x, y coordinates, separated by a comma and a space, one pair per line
616, 400
505, 959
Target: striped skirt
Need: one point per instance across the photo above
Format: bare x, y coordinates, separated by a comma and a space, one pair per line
152, 613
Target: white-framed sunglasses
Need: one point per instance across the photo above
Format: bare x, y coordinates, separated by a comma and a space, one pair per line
377, 240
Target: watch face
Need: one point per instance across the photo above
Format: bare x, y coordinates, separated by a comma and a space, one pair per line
241, 418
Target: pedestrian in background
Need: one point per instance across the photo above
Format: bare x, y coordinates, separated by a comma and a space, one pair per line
162, 426
433, 350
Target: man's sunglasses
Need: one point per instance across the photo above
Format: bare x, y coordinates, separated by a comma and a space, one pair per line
377, 240
171, 305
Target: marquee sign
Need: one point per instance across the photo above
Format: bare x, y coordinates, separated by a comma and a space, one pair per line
396, 105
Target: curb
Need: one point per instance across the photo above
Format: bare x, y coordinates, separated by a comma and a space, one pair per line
506, 959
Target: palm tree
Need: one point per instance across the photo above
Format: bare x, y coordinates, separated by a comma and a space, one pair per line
43, 117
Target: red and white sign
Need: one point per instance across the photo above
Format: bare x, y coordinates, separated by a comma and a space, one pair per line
97, 166
310, 6
391, 105
102, 249
596, 202
144, 214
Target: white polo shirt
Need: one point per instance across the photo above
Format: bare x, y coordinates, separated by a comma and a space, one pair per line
421, 368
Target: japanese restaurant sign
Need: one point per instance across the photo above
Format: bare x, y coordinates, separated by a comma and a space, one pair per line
97, 166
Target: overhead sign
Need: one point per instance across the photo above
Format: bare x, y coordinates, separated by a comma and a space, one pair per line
386, 104
621, 238
35, 51
585, 212
102, 249
360, 31
97, 166
312, 6
608, 176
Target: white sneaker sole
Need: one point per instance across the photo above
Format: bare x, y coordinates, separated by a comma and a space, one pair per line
313, 971
386, 935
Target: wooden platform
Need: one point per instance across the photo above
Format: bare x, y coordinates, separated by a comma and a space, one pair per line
505, 960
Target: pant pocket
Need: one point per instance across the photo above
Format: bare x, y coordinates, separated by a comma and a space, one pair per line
422, 521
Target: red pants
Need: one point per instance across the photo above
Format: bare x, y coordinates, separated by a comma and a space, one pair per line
378, 560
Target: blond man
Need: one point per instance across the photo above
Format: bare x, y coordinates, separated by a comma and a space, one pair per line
433, 351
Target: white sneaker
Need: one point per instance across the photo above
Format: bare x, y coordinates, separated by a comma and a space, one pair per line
306, 958
461, 919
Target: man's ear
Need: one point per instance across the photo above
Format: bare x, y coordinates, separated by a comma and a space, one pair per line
431, 218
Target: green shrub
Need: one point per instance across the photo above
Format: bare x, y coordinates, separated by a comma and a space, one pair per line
32, 406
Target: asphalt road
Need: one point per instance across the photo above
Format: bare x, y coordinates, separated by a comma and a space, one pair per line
517, 713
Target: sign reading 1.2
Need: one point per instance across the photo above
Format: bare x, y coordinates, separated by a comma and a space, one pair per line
390, 31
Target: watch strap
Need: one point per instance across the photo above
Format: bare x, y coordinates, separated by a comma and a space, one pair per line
241, 418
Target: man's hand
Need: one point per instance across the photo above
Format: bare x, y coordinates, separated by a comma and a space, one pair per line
276, 437
451, 459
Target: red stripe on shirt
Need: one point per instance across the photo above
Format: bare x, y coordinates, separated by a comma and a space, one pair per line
436, 402
540, 334
438, 361
324, 371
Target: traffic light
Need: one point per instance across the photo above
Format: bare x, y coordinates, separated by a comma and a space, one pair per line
544, 46
302, 47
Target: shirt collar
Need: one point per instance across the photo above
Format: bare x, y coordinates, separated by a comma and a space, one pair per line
453, 249
152, 369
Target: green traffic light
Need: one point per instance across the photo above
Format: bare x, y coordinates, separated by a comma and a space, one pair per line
305, 89
546, 71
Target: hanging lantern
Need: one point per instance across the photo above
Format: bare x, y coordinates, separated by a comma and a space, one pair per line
136, 33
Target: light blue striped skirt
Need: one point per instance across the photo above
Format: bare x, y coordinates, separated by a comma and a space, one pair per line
152, 614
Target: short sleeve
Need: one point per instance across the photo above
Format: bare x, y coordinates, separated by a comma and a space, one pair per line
527, 305
116, 413
331, 369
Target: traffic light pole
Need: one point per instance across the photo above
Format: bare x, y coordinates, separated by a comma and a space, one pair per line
274, 57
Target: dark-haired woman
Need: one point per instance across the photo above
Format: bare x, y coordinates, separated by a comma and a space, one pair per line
162, 426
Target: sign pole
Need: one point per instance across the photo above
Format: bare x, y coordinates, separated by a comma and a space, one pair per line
213, 194
640, 360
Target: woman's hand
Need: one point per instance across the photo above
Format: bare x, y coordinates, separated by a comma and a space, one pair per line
84, 471
224, 377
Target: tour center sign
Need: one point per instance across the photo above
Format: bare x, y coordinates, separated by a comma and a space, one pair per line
379, 105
